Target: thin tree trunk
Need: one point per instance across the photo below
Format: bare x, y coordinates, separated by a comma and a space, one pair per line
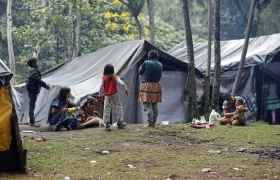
217, 49
78, 35
138, 27
151, 7
10, 39
74, 50
191, 71
245, 48
57, 51
36, 51
207, 80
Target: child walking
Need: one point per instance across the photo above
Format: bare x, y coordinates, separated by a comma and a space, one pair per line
109, 90
33, 86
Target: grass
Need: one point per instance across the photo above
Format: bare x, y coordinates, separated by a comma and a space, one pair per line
174, 151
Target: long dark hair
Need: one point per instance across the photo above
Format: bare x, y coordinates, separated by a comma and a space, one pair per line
109, 70
62, 95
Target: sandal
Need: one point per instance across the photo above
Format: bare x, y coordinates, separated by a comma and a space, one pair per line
35, 125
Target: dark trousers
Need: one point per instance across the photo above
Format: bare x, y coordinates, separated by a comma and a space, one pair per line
32, 104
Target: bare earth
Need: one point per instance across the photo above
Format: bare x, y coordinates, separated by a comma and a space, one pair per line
167, 152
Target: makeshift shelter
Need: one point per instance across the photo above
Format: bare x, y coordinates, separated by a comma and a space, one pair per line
12, 155
262, 51
83, 75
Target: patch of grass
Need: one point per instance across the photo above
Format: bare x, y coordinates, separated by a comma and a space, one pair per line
174, 151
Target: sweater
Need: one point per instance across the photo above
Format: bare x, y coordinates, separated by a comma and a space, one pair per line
151, 71
109, 85
33, 81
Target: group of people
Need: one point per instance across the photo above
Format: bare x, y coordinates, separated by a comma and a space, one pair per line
61, 110
65, 114
234, 108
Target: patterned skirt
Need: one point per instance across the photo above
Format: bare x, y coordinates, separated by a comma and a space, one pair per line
150, 92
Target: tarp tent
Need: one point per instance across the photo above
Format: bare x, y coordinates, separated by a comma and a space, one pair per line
12, 156
262, 51
83, 75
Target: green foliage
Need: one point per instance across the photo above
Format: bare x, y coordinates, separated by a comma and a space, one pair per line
50, 25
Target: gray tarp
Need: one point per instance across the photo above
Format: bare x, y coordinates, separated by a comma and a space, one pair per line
260, 50
83, 75
5, 73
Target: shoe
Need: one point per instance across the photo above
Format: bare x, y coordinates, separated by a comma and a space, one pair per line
107, 127
121, 125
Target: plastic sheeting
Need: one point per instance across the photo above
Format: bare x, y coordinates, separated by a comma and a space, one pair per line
5, 118
260, 50
83, 76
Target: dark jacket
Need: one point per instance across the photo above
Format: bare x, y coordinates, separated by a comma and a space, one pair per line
33, 81
150, 71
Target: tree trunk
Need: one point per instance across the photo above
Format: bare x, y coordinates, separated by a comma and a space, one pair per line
78, 35
151, 7
138, 27
10, 39
191, 71
245, 48
36, 51
74, 50
57, 58
217, 49
207, 80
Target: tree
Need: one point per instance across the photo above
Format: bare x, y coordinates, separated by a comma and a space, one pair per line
135, 7
217, 51
10, 37
207, 80
151, 9
245, 48
191, 70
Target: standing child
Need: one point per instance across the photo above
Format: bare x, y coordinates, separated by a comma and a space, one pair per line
33, 86
109, 89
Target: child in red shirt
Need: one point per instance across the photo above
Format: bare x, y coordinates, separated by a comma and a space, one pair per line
109, 90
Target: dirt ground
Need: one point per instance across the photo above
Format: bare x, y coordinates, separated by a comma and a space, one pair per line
167, 152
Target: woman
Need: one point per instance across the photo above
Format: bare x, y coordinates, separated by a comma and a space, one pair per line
271, 99
150, 90
229, 108
58, 115
86, 115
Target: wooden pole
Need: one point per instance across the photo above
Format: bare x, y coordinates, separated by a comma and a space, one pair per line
136, 94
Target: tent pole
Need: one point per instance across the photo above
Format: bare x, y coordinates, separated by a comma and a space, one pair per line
136, 95
17, 137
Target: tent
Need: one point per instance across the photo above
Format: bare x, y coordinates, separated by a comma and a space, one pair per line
12, 155
83, 75
262, 51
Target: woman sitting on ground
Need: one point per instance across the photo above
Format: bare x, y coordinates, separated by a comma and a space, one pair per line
232, 115
86, 114
58, 115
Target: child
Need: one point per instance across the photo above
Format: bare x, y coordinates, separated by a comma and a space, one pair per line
109, 89
239, 114
33, 86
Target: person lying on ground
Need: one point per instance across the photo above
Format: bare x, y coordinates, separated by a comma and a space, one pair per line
86, 115
229, 108
58, 115
33, 86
